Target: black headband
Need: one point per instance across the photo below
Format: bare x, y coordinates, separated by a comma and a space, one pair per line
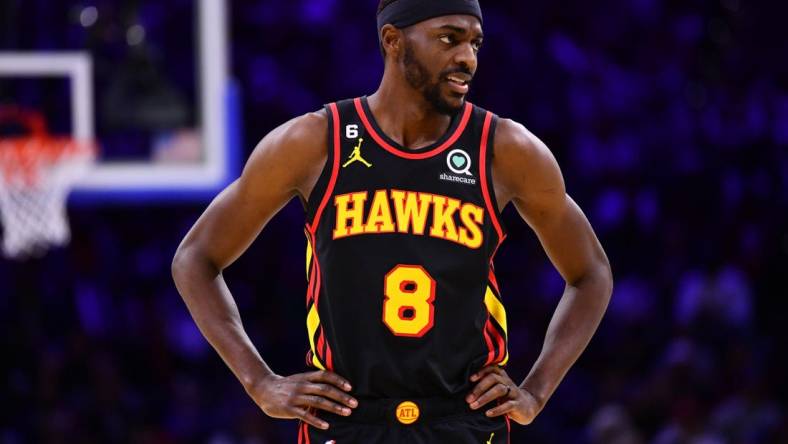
404, 13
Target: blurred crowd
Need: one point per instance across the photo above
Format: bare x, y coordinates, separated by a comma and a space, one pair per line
670, 122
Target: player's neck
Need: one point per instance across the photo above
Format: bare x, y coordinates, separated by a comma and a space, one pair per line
405, 116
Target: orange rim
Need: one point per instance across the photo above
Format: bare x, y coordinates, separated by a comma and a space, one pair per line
26, 157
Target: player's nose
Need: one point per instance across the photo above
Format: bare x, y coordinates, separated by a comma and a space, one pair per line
466, 58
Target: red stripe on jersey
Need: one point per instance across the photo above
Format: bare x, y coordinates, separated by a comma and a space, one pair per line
499, 355
490, 346
329, 358
483, 177
320, 342
466, 116
306, 433
318, 281
497, 342
311, 276
311, 245
325, 357
500, 241
311, 287
316, 263
300, 433
334, 170
494, 282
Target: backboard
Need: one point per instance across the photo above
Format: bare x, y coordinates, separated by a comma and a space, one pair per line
148, 81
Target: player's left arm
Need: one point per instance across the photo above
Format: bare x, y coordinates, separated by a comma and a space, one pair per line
526, 174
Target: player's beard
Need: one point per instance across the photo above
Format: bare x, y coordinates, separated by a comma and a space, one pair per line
418, 77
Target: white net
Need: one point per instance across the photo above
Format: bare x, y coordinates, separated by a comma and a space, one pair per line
36, 175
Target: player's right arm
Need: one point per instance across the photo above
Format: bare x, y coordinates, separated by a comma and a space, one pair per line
285, 164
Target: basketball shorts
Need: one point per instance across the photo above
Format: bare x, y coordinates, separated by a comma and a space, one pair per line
409, 421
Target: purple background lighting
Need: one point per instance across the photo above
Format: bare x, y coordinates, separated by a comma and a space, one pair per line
669, 120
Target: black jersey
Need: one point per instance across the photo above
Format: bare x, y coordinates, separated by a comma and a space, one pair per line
402, 299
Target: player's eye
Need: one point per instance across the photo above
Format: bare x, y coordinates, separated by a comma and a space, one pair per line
477, 45
446, 39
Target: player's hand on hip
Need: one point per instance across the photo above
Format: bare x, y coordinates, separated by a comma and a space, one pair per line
493, 384
293, 397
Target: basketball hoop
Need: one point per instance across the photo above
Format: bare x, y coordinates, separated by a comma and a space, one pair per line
37, 172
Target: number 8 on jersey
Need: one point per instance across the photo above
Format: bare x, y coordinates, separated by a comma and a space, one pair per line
409, 293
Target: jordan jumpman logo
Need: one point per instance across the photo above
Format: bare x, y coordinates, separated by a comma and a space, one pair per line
356, 156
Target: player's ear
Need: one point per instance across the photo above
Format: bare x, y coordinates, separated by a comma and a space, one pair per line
391, 39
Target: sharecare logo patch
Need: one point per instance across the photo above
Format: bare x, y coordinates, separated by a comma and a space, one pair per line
458, 179
459, 163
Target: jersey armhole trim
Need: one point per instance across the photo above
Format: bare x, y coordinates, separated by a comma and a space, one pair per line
492, 208
334, 168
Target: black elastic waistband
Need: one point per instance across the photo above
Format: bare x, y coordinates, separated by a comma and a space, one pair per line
378, 411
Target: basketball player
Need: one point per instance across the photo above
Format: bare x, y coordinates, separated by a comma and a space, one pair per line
403, 191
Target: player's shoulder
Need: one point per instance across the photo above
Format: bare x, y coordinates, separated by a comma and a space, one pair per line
299, 141
514, 141
292, 154
508, 132
521, 160
316, 124
305, 129
304, 135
